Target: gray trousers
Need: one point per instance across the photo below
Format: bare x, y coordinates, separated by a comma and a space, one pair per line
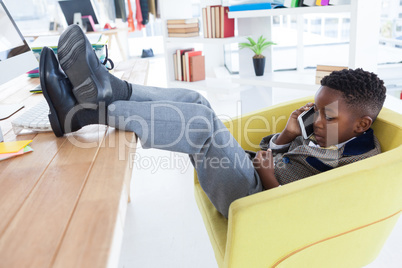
182, 120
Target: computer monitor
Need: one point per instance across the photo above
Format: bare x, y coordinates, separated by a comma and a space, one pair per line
85, 7
16, 58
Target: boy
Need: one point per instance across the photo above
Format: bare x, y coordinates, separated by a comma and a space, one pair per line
83, 92
346, 105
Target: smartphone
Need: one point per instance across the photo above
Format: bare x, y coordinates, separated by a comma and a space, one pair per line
306, 122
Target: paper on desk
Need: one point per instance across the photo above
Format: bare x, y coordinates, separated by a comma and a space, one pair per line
13, 146
24, 150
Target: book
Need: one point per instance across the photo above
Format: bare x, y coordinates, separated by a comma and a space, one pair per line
204, 22
175, 66
320, 75
187, 56
252, 6
184, 68
214, 17
33, 73
183, 30
322, 2
179, 54
181, 26
324, 70
217, 22
291, 3
339, 2
209, 19
183, 34
227, 25
197, 67
182, 21
309, 3
330, 68
213, 22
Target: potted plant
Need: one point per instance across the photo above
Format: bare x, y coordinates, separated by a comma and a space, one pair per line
257, 47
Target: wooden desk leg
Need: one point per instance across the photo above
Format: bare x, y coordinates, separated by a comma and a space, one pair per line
127, 183
109, 44
129, 169
123, 54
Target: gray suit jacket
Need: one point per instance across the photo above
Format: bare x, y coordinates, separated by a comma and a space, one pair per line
301, 160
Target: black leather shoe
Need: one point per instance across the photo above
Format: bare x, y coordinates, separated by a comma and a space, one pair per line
90, 78
57, 90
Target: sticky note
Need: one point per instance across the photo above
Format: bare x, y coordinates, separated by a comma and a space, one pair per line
13, 146
24, 150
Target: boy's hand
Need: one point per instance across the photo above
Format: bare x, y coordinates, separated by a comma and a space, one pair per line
292, 129
264, 164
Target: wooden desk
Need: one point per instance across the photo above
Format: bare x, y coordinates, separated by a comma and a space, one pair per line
64, 204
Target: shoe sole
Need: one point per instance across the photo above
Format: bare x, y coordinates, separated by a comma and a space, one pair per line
72, 57
53, 118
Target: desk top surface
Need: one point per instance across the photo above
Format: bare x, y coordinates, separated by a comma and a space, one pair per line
59, 205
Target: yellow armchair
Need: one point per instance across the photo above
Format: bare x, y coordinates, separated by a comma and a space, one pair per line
340, 218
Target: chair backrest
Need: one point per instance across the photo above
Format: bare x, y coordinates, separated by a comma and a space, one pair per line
387, 128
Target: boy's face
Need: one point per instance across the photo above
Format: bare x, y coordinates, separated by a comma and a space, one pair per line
335, 122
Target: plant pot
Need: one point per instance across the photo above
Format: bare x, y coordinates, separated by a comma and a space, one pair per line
259, 66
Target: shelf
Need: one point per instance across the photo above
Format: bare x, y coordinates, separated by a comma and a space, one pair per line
224, 85
214, 3
289, 11
290, 79
202, 40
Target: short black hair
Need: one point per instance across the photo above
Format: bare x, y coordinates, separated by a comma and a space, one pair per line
361, 90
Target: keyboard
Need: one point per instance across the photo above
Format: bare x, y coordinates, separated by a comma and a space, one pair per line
33, 120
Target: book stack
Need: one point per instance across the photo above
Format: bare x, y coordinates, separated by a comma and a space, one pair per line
98, 41
216, 22
324, 70
183, 28
189, 65
304, 3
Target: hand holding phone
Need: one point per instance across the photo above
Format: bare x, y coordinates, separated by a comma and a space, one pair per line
293, 129
306, 122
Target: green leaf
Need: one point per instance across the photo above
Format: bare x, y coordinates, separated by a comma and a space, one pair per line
269, 43
251, 41
257, 47
244, 45
261, 40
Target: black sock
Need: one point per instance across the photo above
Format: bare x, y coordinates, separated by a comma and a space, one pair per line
90, 116
121, 89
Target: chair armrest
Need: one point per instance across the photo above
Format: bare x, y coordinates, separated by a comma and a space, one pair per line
266, 227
